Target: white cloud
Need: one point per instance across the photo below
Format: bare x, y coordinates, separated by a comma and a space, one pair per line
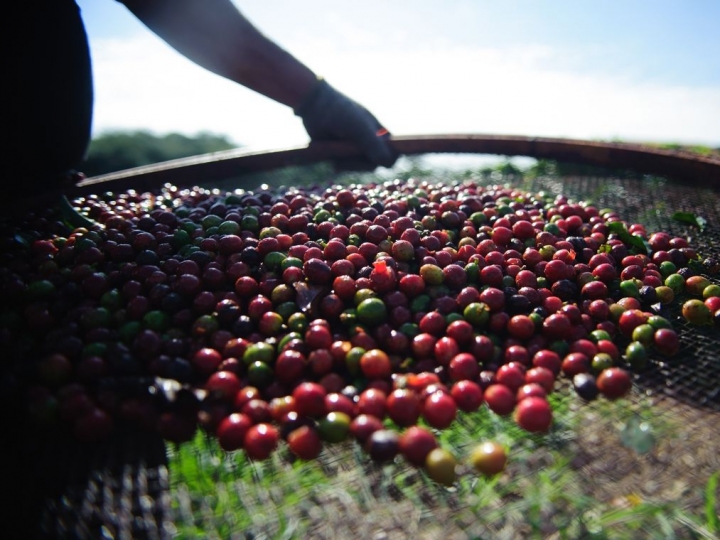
142, 83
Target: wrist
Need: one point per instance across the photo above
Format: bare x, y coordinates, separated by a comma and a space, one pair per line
310, 97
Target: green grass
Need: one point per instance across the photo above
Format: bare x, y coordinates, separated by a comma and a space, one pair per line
711, 503
542, 491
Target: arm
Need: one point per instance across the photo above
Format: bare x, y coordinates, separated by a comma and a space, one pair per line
216, 36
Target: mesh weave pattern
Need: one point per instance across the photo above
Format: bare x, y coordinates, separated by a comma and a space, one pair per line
122, 491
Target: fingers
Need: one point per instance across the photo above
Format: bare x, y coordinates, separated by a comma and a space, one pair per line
378, 148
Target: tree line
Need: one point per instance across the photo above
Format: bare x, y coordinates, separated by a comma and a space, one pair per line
117, 150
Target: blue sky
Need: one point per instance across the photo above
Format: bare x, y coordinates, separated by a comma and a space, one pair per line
636, 70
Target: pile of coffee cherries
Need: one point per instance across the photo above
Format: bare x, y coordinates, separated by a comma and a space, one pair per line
375, 312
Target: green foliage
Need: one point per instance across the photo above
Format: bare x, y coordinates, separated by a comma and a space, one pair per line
697, 149
505, 170
691, 219
118, 150
508, 169
543, 167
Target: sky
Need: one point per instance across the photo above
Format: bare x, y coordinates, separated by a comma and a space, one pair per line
640, 70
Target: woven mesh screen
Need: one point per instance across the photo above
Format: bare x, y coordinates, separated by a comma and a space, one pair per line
124, 490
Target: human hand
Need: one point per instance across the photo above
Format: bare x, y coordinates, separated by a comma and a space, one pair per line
329, 115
